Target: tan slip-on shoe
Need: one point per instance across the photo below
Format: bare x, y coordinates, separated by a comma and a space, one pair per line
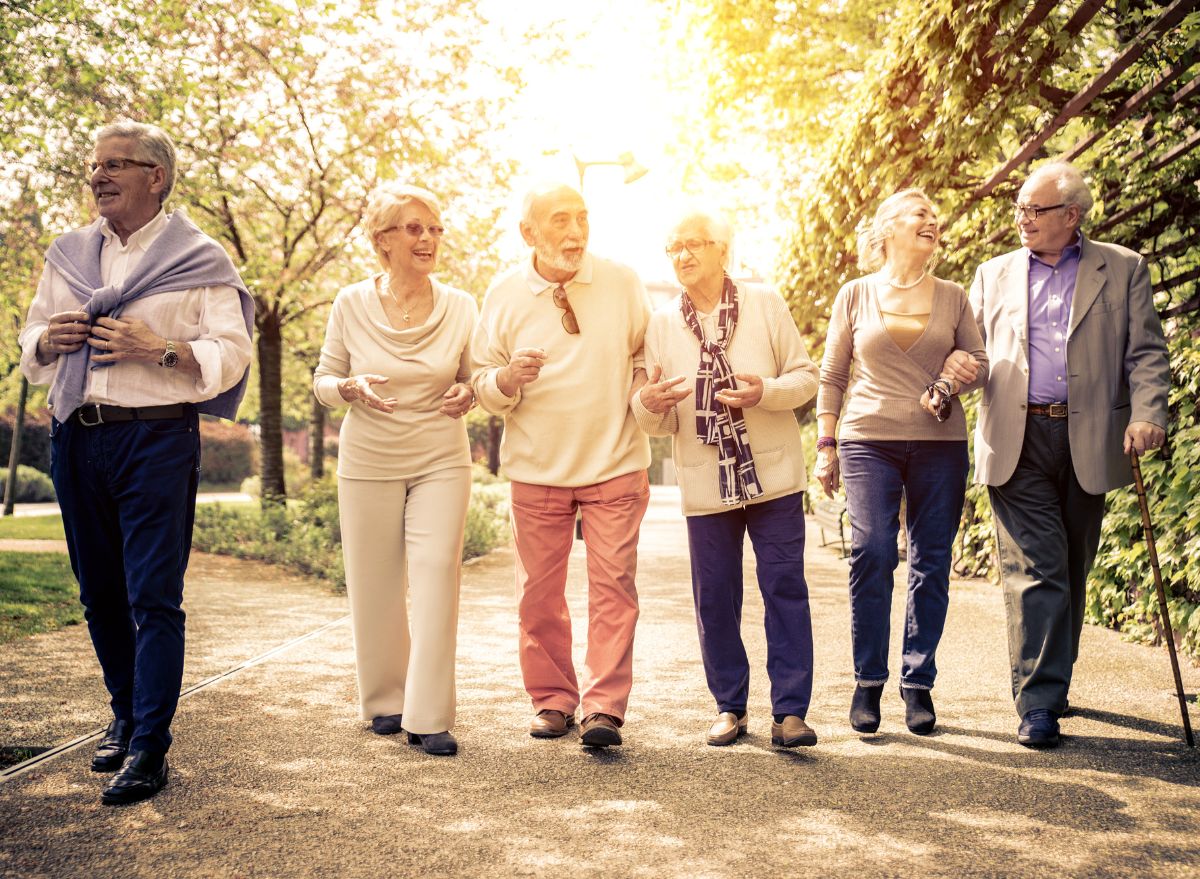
599, 731
727, 728
792, 732
551, 724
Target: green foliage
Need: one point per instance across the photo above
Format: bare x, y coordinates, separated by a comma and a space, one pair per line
305, 536
32, 528
228, 452
33, 486
35, 439
37, 594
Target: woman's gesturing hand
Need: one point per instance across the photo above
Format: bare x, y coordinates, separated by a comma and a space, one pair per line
744, 397
358, 387
660, 395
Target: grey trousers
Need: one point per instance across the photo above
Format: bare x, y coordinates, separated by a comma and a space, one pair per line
1048, 530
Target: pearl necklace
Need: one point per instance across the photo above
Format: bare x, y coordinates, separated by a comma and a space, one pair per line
896, 286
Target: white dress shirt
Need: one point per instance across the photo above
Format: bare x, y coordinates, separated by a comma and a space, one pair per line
208, 318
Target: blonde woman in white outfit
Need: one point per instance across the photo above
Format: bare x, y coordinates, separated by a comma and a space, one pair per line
396, 350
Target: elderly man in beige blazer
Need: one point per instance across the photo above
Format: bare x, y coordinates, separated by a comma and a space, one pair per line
1079, 377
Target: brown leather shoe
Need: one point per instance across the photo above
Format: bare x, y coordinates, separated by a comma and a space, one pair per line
599, 731
551, 724
727, 728
792, 732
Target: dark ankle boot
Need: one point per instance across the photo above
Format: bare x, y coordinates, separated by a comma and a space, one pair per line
918, 710
864, 708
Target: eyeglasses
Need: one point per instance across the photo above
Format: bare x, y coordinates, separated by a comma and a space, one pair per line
692, 246
116, 166
569, 321
1029, 212
416, 230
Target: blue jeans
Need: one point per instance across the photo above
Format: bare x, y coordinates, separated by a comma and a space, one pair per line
128, 497
776, 529
932, 476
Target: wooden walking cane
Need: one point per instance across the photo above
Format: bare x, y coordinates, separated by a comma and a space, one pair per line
1148, 529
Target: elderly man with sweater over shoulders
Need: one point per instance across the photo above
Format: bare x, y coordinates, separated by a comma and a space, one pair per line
139, 324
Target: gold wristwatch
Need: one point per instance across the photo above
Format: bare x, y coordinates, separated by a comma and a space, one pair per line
170, 357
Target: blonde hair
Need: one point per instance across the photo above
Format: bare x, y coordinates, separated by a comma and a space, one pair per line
873, 235
385, 205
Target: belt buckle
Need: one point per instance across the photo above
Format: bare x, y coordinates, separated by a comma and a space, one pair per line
1058, 410
99, 418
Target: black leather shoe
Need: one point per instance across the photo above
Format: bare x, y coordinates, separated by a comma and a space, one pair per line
440, 744
387, 724
142, 775
919, 715
864, 708
1038, 729
111, 751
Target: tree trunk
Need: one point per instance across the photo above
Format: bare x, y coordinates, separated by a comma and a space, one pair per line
495, 431
316, 440
14, 451
270, 411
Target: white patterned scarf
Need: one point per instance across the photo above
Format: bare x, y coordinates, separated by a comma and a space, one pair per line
717, 424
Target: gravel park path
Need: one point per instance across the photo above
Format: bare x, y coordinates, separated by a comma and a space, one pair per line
274, 775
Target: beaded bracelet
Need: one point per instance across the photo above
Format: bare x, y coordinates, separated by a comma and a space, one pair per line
826, 442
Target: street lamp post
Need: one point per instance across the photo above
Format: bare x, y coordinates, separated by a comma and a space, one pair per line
634, 170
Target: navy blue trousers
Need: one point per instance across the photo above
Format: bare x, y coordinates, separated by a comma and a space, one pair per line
128, 497
776, 529
932, 477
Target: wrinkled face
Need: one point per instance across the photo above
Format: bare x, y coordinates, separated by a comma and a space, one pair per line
128, 198
699, 262
559, 231
915, 228
1052, 230
407, 248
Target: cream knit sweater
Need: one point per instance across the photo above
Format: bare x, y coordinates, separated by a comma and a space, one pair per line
765, 343
421, 364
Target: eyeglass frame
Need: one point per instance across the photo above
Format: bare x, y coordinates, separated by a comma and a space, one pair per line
122, 164
692, 246
435, 230
560, 301
1023, 210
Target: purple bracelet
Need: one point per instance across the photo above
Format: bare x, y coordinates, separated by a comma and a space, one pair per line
826, 442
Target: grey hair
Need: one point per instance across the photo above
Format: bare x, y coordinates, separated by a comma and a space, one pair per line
153, 145
715, 225
873, 235
1072, 188
537, 192
385, 204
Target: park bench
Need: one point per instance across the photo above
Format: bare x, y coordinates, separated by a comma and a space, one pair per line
831, 515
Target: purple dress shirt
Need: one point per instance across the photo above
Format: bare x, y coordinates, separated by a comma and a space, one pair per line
1051, 289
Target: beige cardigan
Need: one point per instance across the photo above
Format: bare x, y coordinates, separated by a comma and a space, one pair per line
882, 393
765, 343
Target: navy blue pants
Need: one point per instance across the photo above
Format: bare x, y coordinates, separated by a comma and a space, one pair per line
776, 529
128, 497
932, 477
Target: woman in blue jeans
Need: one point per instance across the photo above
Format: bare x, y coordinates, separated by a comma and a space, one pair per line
902, 434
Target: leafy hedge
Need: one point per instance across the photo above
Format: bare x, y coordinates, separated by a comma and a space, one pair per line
33, 486
228, 452
306, 537
35, 439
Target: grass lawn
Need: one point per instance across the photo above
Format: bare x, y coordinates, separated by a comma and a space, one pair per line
32, 527
38, 593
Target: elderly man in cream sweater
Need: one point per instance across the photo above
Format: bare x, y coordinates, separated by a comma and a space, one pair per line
558, 342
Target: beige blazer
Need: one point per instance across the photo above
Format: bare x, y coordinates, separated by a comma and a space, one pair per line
1117, 364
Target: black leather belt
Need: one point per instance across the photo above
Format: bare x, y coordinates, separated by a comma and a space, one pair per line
1054, 410
93, 414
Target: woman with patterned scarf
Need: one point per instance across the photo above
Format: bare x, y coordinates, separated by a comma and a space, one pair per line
726, 368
